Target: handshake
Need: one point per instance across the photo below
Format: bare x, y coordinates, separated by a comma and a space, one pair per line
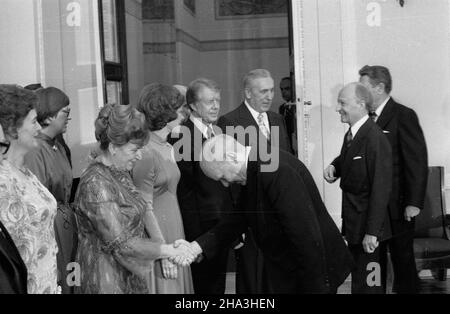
183, 253
179, 254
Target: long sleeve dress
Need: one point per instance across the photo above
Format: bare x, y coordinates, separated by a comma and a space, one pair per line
115, 252
157, 176
27, 210
51, 165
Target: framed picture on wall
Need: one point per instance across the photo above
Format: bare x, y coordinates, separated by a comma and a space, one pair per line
190, 6
231, 9
158, 10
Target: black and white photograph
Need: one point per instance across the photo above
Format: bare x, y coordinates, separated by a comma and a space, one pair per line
226, 153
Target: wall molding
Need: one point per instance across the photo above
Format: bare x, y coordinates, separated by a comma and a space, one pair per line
215, 45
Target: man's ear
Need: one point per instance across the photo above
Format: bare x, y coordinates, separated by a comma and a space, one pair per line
248, 93
193, 107
381, 88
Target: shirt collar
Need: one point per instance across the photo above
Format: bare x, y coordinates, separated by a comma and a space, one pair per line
198, 122
379, 110
255, 115
355, 128
248, 150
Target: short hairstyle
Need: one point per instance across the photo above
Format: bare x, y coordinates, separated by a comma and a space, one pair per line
255, 74
50, 101
196, 86
119, 125
364, 95
15, 104
378, 74
159, 103
287, 78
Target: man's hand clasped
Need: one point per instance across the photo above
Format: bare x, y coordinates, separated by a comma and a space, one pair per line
185, 253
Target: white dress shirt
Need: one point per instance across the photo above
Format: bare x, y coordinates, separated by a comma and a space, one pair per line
380, 109
198, 122
255, 114
355, 128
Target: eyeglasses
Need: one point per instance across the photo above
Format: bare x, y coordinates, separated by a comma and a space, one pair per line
4, 147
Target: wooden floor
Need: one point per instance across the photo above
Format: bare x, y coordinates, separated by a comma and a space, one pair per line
428, 285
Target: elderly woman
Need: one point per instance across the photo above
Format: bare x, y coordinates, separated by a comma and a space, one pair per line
119, 238
157, 176
27, 208
50, 163
13, 272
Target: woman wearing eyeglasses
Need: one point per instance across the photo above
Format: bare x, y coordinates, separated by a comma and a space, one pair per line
27, 208
50, 163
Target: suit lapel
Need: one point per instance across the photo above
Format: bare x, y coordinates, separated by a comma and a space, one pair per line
245, 115
387, 114
357, 142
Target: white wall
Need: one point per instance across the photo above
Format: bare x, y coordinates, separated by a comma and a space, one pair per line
412, 41
216, 50
135, 50
19, 43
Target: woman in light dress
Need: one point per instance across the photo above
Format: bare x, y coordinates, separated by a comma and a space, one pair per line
27, 208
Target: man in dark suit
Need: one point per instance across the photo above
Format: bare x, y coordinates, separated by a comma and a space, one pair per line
202, 201
289, 110
365, 169
302, 247
262, 126
410, 163
13, 272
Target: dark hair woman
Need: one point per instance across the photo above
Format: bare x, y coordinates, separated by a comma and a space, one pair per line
157, 176
50, 164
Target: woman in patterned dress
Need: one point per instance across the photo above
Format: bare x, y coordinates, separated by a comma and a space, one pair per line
27, 208
119, 237
157, 176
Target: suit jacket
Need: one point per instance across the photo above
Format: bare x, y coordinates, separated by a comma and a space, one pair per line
302, 247
365, 170
242, 117
13, 272
202, 200
410, 159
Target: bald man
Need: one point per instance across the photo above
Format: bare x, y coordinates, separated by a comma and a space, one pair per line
365, 169
302, 247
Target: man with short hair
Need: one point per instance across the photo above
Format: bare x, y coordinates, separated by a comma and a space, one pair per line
269, 127
365, 169
289, 110
410, 163
302, 247
202, 201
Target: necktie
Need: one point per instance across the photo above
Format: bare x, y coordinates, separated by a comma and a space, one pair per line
262, 126
348, 139
373, 115
209, 132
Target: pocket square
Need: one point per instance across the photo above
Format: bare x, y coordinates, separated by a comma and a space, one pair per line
386, 132
357, 158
